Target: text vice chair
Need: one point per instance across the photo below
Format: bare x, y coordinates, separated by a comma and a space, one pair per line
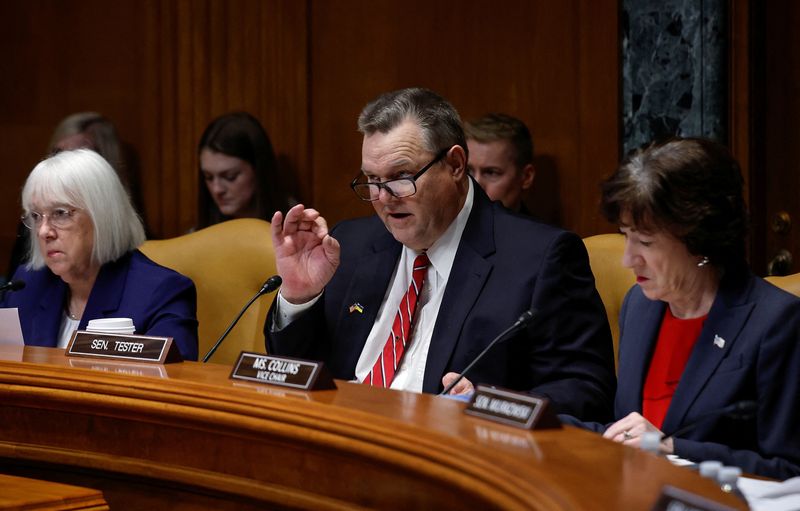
611, 278
228, 263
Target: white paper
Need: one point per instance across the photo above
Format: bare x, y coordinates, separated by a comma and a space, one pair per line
771, 495
10, 328
676, 460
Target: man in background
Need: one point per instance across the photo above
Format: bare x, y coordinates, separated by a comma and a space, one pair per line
501, 158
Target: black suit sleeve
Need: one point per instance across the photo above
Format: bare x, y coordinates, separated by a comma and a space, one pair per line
305, 337
573, 356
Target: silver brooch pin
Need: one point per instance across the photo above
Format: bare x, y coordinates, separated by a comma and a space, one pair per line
719, 342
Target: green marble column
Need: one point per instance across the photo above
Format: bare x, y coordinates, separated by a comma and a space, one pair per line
674, 69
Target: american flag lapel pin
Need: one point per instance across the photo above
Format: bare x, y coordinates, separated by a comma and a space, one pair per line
357, 307
719, 342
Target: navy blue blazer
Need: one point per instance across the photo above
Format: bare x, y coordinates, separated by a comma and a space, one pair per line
159, 300
760, 361
505, 264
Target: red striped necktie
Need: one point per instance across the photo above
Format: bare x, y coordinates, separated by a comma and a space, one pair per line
383, 371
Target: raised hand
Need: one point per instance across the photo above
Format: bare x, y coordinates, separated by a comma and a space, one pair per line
305, 254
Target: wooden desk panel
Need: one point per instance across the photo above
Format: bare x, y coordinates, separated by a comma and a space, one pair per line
184, 436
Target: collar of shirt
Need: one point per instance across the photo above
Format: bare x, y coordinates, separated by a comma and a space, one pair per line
443, 251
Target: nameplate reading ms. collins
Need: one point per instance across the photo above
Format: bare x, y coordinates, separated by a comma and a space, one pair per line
283, 371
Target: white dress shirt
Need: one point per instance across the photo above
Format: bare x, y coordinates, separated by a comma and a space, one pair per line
68, 326
411, 373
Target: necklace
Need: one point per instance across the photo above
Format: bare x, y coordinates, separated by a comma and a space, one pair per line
68, 309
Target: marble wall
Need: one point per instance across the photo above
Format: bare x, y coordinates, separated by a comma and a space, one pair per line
674, 69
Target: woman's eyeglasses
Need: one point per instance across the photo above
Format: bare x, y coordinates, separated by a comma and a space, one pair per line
59, 218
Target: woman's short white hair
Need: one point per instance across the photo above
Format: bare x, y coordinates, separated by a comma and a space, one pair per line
83, 179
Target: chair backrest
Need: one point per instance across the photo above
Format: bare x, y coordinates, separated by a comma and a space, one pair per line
228, 263
611, 278
790, 283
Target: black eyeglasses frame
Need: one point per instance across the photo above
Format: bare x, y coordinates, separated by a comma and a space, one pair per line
354, 184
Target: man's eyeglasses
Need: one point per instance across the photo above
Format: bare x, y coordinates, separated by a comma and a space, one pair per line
59, 218
401, 187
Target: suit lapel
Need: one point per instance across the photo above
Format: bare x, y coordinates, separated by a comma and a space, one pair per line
46, 321
642, 332
725, 321
367, 288
107, 292
471, 268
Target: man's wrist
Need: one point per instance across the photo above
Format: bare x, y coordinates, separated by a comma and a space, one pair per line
286, 311
299, 299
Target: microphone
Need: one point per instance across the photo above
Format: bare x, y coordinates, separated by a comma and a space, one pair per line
13, 285
524, 320
741, 410
269, 286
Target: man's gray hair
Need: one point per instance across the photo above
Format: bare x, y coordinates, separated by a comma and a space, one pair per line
439, 121
83, 179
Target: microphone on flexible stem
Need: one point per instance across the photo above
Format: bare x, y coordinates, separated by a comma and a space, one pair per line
14, 285
741, 410
269, 286
524, 320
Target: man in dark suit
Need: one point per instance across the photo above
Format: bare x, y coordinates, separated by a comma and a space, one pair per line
407, 298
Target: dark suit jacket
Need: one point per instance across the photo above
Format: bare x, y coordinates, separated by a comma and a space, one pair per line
159, 300
505, 264
760, 361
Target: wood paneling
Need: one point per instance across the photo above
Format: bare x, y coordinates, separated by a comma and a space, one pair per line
161, 69
553, 64
775, 135
209, 57
61, 57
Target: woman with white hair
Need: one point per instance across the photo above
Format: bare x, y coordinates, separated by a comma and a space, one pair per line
84, 263
86, 130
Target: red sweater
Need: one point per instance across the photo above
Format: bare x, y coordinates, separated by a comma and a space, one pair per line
676, 339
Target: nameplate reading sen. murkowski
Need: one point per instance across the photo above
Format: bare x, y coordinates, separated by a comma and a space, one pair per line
282, 371
513, 408
139, 348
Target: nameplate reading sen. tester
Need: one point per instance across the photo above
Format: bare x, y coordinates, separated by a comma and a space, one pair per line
283, 371
513, 408
141, 348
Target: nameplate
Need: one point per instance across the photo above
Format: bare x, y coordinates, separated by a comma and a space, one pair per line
675, 499
282, 371
141, 348
513, 408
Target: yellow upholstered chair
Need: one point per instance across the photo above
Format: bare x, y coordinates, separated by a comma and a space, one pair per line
611, 278
790, 283
228, 263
